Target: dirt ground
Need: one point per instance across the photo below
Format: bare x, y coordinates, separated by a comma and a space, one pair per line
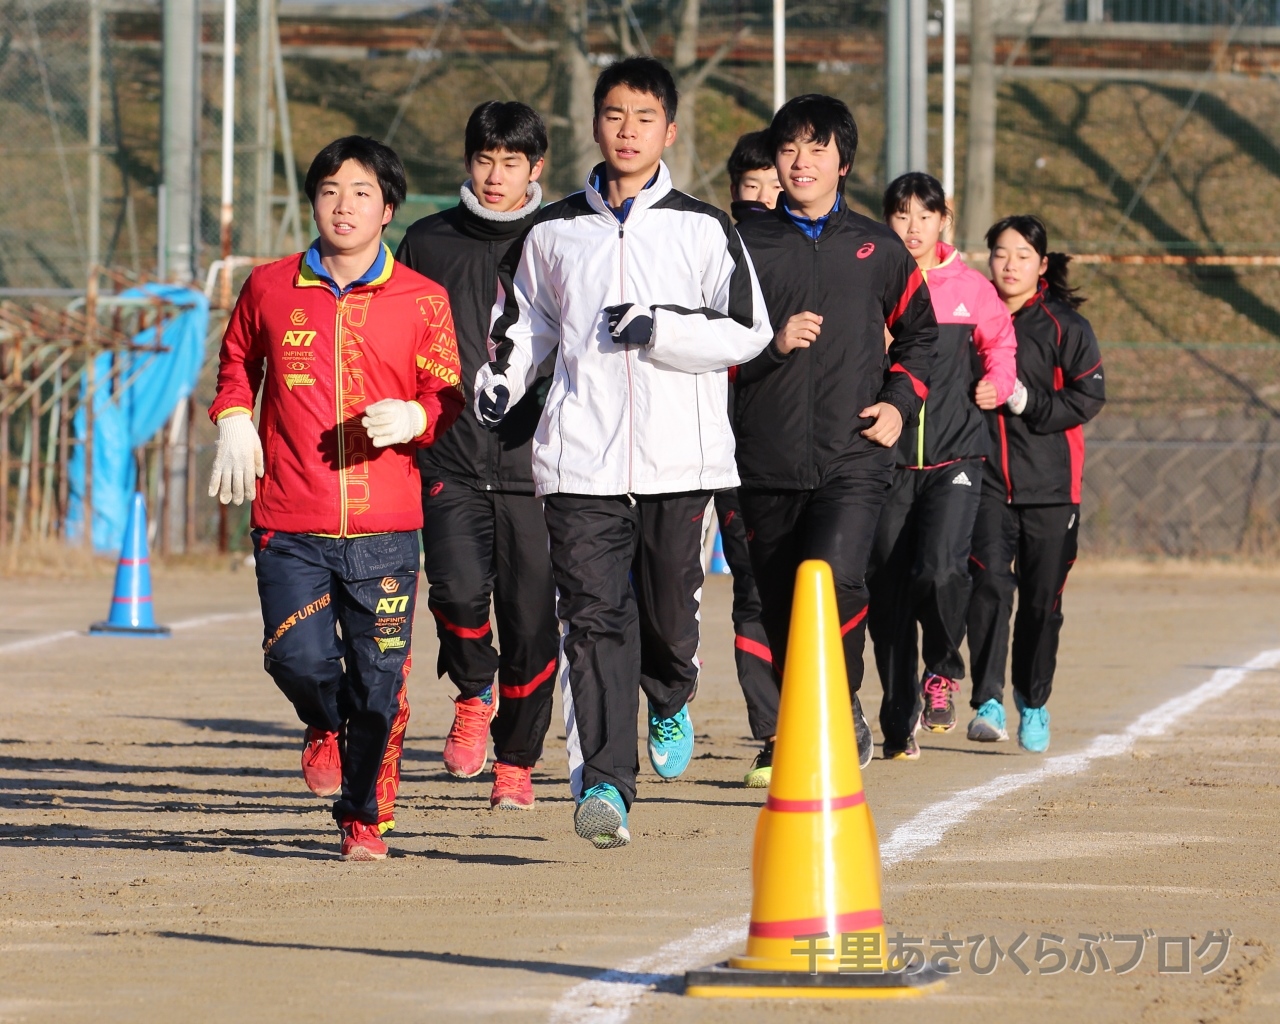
161, 859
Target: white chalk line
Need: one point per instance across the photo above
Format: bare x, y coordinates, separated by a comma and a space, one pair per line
70, 634
610, 997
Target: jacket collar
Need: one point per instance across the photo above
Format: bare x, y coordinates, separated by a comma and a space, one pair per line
659, 185
949, 261
311, 272
812, 228
1042, 293
486, 225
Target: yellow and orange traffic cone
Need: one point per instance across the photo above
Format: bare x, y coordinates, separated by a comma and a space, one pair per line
817, 929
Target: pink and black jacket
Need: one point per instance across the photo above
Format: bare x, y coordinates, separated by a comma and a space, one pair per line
1038, 457
975, 341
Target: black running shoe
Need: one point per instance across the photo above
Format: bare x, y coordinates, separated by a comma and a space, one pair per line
866, 747
761, 769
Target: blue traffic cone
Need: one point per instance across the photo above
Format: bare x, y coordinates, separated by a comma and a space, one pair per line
131, 612
719, 564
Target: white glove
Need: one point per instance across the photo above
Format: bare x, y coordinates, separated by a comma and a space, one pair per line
393, 421
1018, 400
238, 461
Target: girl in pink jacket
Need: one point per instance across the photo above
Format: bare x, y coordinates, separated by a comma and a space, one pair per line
919, 571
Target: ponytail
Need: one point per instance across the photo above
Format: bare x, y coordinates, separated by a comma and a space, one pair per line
1055, 276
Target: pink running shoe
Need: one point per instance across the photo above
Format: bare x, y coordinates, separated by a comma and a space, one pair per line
939, 713
466, 748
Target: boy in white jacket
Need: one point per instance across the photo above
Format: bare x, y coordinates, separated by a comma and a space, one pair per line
646, 296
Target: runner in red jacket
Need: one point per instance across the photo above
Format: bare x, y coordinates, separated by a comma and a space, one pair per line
357, 365
919, 564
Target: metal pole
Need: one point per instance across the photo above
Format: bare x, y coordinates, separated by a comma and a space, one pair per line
94, 113
190, 544
949, 97
917, 86
980, 160
293, 215
227, 209
895, 89
179, 95
265, 156
779, 53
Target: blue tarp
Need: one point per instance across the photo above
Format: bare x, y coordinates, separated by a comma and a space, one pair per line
125, 418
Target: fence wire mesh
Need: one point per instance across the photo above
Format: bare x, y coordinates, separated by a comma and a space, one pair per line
1132, 128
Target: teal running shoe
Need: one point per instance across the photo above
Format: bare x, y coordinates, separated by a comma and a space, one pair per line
988, 725
670, 743
601, 816
1033, 729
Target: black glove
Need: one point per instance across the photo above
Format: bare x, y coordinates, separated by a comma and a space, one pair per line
491, 402
630, 324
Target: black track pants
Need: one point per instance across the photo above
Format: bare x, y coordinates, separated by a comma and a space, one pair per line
481, 547
919, 574
629, 578
1028, 549
835, 522
349, 679
756, 675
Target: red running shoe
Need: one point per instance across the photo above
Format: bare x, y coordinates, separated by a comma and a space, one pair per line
322, 762
466, 748
362, 841
512, 788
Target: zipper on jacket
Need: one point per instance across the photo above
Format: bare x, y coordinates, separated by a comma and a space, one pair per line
491, 438
342, 438
631, 398
1004, 460
920, 438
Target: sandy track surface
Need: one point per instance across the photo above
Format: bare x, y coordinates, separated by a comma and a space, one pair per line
160, 858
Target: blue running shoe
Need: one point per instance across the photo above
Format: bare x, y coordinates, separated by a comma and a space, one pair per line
1033, 730
670, 742
601, 816
988, 725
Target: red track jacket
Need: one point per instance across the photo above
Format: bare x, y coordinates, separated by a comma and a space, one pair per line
320, 361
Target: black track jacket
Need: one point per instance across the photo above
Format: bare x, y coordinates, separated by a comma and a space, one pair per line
796, 416
461, 249
1038, 458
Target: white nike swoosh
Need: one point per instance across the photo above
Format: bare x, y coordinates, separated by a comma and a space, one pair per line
655, 757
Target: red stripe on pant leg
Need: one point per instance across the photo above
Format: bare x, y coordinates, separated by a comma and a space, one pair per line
465, 632
524, 689
388, 785
977, 563
853, 622
755, 647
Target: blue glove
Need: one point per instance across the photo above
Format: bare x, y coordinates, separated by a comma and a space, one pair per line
630, 324
491, 401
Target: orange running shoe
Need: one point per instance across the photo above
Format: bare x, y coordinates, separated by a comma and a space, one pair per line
322, 762
466, 748
512, 788
362, 841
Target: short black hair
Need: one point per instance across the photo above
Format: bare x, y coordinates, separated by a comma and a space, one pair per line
819, 118
513, 126
924, 188
751, 153
379, 160
643, 74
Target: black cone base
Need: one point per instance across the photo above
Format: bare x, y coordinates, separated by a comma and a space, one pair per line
723, 981
107, 627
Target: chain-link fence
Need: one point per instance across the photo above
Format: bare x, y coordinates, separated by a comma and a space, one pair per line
1135, 128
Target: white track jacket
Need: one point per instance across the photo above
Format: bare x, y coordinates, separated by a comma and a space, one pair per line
625, 419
